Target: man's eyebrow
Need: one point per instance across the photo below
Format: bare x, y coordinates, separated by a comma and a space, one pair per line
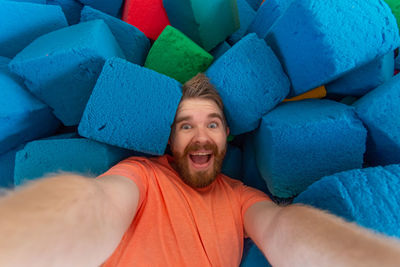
180, 119
215, 115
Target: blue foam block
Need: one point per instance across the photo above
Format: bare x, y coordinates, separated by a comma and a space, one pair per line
220, 49
131, 40
131, 107
232, 165
300, 142
250, 81
110, 7
4, 61
266, 16
21, 23
252, 256
365, 78
7, 161
61, 67
79, 155
318, 41
71, 8
246, 16
255, 4
22, 116
31, 1
369, 197
397, 66
379, 110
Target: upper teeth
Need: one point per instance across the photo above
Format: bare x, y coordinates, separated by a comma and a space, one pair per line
201, 153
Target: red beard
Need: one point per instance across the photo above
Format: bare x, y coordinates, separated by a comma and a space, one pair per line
199, 179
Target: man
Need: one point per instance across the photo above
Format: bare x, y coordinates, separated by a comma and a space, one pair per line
175, 211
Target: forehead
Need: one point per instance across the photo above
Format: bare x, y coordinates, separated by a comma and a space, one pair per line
197, 106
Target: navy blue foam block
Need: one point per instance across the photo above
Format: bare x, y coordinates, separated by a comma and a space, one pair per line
300, 142
22, 116
131, 40
79, 155
368, 197
252, 256
110, 7
220, 49
255, 4
131, 107
4, 61
251, 82
365, 78
71, 8
232, 165
7, 161
246, 16
21, 23
61, 67
379, 110
266, 16
318, 41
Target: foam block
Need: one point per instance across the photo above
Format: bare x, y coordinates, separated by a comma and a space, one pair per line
246, 16
266, 16
131, 107
176, 56
78, 155
133, 42
71, 8
21, 23
365, 78
148, 16
251, 82
368, 197
314, 46
61, 67
32, 1
232, 165
380, 112
110, 7
255, 4
252, 256
397, 64
7, 161
22, 116
220, 49
300, 142
206, 22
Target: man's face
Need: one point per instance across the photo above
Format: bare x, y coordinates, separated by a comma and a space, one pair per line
198, 141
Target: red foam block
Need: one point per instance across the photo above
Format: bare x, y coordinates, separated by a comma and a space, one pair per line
149, 16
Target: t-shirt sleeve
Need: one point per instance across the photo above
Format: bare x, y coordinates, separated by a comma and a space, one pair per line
134, 169
250, 196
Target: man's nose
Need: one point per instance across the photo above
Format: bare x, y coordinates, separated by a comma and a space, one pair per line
201, 135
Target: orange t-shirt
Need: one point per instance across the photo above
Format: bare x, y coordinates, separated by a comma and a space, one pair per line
177, 225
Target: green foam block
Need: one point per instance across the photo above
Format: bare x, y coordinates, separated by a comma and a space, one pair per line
177, 56
395, 7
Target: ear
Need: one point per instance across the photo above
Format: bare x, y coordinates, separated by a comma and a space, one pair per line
227, 131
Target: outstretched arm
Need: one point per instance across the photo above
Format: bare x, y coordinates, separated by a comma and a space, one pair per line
299, 235
65, 220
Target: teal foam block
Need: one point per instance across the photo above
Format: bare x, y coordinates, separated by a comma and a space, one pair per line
61, 67
251, 82
131, 107
111, 7
220, 49
206, 22
232, 165
71, 8
266, 15
369, 197
22, 116
365, 78
133, 42
246, 16
318, 41
78, 155
252, 256
21, 23
379, 110
300, 142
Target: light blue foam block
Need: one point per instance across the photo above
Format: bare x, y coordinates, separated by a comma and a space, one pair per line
369, 197
21, 23
365, 78
380, 112
220, 49
71, 8
111, 7
79, 155
246, 16
318, 41
131, 107
131, 40
61, 67
22, 116
266, 16
232, 165
300, 142
251, 82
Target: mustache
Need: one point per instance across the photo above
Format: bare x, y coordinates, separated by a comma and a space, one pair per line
196, 146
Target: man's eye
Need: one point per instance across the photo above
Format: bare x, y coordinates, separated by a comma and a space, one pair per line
186, 126
213, 125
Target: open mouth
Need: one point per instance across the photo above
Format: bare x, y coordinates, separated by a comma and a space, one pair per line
200, 159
